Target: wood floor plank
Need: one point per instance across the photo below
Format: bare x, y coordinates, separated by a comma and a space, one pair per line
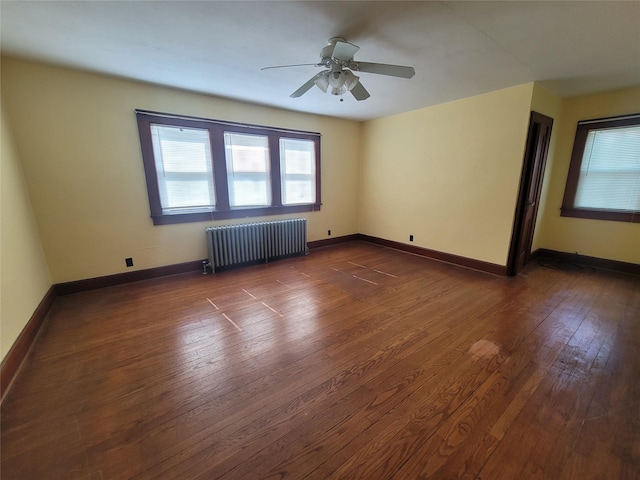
556, 412
422, 427
356, 361
270, 456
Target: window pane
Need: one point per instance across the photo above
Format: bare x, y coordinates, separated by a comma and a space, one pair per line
610, 170
248, 170
247, 193
183, 166
187, 193
297, 167
297, 192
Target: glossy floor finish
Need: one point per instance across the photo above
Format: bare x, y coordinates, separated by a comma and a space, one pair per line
356, 361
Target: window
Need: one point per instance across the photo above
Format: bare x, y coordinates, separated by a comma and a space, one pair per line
604, 176
297, 161
248, 174
199, 169
183, 167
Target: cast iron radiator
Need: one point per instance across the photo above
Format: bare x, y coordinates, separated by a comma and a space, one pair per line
250, 242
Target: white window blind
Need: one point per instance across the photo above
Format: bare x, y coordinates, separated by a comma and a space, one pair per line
184, 167
297, 170
248, 171
610, 170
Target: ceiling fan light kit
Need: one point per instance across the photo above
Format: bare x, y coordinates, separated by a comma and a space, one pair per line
339, 79
336, 81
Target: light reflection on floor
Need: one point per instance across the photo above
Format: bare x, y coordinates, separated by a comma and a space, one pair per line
248, 319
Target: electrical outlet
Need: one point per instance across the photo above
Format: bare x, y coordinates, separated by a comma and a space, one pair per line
329, 233
411, 238
129, 261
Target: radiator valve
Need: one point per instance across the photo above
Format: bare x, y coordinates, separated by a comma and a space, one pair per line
205, 265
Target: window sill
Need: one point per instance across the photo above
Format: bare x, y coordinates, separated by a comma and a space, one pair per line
172, 218
610, 215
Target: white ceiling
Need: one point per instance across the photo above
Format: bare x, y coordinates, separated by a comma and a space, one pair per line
458, 49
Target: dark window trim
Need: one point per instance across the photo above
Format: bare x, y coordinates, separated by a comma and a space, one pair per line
169, 118
582, 130
216, 130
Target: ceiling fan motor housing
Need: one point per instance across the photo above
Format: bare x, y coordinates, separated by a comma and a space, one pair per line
328, 55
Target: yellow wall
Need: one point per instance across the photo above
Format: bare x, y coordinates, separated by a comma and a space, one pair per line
447, 174
79, 145
24, 276
596, 238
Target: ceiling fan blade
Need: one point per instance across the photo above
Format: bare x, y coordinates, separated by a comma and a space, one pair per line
305, 88
359, 92
344, 50
384, 69
294, 65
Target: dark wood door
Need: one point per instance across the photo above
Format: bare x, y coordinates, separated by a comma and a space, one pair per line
535, 158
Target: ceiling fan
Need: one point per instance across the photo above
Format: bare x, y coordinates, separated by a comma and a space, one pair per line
338, 78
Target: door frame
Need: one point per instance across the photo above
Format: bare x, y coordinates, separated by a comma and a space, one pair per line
536, 120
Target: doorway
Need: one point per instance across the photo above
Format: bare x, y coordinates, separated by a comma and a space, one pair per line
535, 158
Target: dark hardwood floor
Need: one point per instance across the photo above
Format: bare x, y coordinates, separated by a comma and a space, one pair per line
356, 361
